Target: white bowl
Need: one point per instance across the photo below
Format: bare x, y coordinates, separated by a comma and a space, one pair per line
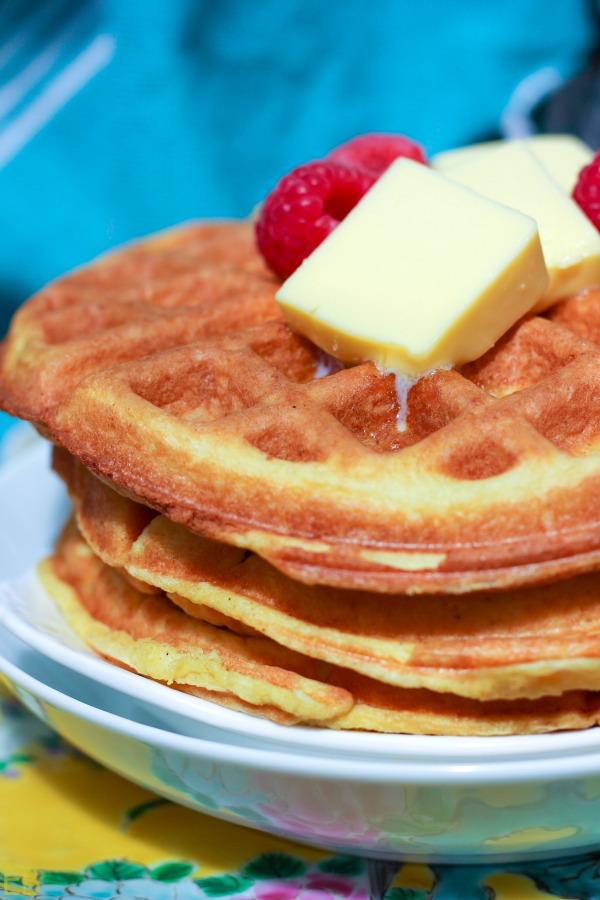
96, 694
30, 614
490, 811
386, 796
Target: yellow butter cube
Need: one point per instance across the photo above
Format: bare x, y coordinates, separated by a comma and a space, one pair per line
570, 242
562, 156
422, 274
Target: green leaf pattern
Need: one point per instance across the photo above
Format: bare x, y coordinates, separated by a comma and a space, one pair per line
171, 871
350, 866
283, 876
117, 870
407, 893
224, 885
275, 865
54, 877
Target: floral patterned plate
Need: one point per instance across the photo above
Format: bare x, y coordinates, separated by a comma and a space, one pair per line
407, 808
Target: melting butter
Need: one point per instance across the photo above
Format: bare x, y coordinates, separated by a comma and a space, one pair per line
422, 274
562, 156
512, 174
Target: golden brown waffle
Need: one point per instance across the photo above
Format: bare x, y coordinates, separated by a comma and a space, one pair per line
492, 479
182, 285
528, 642
148, 635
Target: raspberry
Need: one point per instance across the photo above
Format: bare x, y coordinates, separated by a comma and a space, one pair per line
587, 191
304, 208
373, 153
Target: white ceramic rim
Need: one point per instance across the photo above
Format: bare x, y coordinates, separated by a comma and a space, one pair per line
331, 768
441, 750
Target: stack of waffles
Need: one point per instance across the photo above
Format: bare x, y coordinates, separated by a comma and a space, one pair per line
258, 526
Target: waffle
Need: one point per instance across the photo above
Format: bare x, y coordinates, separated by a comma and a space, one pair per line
215, 414
181, 285
147, 634
525, 643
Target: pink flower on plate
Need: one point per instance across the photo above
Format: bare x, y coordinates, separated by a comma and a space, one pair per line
335, 827
322, 811
315, 886
277, 890
338, 885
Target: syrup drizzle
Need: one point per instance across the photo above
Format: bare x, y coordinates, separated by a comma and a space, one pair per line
327, 365
403, 386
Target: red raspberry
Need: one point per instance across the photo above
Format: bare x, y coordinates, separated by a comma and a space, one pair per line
373, 153
304, 208
587, 191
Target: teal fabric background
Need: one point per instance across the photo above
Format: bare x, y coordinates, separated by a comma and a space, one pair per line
5, 423
120, 118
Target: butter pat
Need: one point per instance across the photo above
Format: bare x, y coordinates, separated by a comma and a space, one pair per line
570, 242
422, 274
562, 156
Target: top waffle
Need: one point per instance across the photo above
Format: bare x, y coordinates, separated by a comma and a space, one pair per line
167, 370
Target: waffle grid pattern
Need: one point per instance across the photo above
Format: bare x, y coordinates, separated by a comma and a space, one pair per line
177, 382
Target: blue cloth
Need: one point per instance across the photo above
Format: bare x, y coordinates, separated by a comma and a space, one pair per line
117, 119
6, 423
